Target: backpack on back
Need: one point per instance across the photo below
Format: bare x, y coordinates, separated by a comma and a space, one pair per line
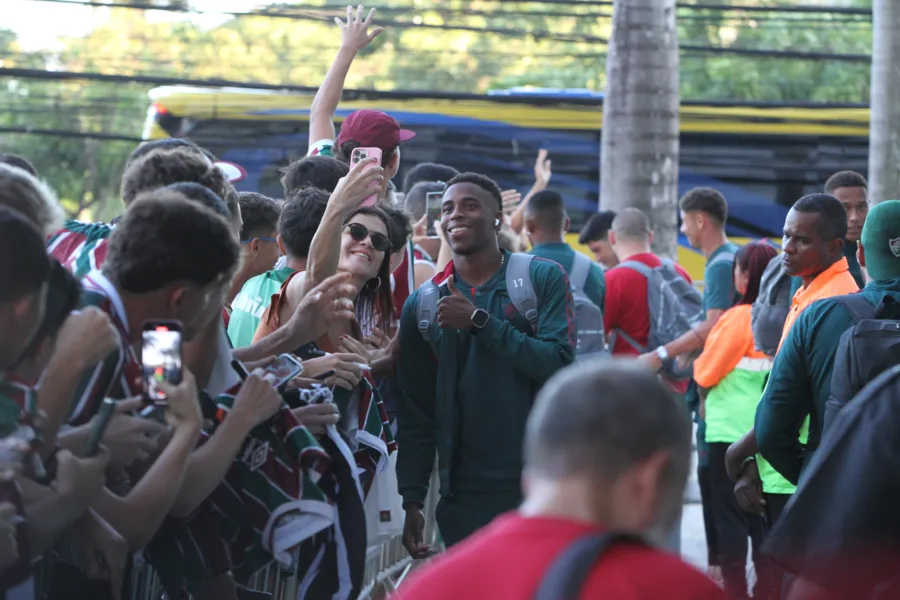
675, 306
588, 316
565, 578
518, 285
770, 311
865, 351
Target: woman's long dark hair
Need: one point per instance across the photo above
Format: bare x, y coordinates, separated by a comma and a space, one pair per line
753, 260
375, 304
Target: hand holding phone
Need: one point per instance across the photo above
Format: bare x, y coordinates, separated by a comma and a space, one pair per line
361, 154
161, 357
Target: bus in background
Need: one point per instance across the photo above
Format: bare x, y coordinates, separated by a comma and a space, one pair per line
761, 157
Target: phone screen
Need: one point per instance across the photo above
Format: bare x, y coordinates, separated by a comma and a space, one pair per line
161, 357
433, 209
285, 367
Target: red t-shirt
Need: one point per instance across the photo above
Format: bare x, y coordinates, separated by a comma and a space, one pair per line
507, 559
626, 306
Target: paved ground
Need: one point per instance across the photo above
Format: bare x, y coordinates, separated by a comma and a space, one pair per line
693, 535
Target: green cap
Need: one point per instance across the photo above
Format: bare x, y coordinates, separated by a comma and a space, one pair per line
881, 240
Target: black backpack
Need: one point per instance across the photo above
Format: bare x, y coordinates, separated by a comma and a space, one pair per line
865, 351
571, 567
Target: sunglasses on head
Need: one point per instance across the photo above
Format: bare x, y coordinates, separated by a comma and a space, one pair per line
360, 232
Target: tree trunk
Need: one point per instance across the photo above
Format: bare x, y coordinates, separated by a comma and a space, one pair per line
884, 128
639, 149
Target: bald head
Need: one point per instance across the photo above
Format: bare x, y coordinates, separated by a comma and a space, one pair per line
631, 225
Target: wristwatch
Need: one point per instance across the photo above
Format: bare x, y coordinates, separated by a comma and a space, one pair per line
662, 353
479, 319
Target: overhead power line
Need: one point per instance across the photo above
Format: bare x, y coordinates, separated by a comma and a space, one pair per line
548, 35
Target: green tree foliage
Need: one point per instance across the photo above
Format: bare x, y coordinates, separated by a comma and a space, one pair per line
447, 45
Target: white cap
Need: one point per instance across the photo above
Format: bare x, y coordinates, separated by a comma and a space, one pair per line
232, 172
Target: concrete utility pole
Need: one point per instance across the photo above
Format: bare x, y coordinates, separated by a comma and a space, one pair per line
884, 127
639, 149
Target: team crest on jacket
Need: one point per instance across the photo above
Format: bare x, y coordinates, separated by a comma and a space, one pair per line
895, 246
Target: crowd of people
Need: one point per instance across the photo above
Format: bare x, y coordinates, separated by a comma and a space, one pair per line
472, 351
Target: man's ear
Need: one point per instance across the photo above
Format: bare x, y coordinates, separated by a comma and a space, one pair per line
567, 224
611, 238
281, 247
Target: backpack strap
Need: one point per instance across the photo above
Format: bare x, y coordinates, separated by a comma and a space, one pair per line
570, 569
581, 268
426, 308
724, 257
520, 288
639, 267
857, 305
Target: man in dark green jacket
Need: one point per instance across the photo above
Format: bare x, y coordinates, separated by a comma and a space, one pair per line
801, 376
468, 391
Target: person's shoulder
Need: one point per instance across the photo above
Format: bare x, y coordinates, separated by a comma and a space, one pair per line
321, 148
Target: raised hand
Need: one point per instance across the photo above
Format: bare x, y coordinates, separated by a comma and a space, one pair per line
129, 438
511, 200
355, 32
347, 373
257, 401
317, 417
183, 409
87, 337
542, 169
329, 302
455, 311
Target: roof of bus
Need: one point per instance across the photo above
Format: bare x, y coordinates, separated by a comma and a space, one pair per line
543, 109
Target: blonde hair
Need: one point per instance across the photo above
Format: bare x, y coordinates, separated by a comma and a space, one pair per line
32, 197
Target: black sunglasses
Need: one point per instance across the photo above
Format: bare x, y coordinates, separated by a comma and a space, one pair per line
360, 232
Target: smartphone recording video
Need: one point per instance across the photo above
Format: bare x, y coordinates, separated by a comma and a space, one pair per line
433, 210
161, 357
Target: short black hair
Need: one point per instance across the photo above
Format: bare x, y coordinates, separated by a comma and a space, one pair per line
482, 181
24, 264
163, 167
146, 148
548, 208
833, 216
259, 213
416, 199
400, 229
21, 162
300, 218
165, 238
321, 172
597, 227
428, 172
202, 195
845, 179
706, 200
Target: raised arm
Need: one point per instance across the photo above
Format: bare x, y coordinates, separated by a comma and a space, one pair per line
542, 173
355, 36
325, 250
138, 515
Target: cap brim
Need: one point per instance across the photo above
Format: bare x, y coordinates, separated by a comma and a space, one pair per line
233, 173
406, 134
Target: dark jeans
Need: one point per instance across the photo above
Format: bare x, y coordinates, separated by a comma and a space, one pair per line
467, 512
733, 526
775, 504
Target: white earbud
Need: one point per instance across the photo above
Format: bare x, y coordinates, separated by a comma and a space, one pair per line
497, 222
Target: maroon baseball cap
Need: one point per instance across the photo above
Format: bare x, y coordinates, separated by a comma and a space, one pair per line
374, 129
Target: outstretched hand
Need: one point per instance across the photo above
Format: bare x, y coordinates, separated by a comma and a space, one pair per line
455, 311
355, 32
